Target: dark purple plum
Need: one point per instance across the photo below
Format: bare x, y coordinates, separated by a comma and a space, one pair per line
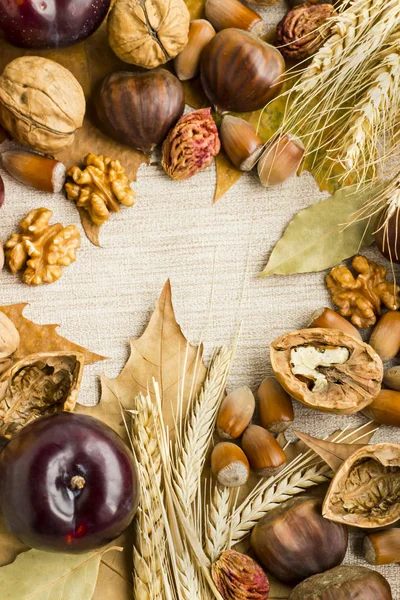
68, 483
45, 24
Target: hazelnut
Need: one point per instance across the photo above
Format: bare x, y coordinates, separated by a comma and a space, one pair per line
383, 547
265, 455
232, 13
330, 319
275, 405
187, 63
229, 465
40, 172
235, 414
280, 160
391, 378
385, 408
385, 338
241, 142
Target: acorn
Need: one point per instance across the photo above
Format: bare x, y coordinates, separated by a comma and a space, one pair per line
385, 408
230, 86
385, 338
280, 160
187, 63
383, 547
139, 109
330, 319
232, 13
265, 455
40, 172
241, 142
229, 465
275, 406
235, 414
294, 541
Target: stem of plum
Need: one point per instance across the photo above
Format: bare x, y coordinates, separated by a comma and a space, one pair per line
77, 483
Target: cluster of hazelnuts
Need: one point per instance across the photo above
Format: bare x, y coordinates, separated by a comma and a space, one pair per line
259, 451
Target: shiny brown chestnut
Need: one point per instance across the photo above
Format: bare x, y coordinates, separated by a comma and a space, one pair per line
240, 73
139, 109
345, 582
294, 541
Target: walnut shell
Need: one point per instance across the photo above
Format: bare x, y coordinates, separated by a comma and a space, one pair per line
41, 103
351, 386
301, 32
37, 385
148, 33
365, 491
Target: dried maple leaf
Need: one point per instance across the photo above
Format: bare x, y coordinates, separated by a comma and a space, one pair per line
162, 353
41, 338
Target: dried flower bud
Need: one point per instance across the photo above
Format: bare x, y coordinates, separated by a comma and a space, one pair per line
239, 577
302, 32
191, 145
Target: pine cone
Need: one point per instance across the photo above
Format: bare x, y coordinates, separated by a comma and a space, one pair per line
302, 32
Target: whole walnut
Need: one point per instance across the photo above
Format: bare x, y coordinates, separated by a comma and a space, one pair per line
303, 30
41, 103
148, 33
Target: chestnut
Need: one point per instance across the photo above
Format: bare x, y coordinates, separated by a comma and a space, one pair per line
294, 541
240, 73
139, 109
350, 583
68, 483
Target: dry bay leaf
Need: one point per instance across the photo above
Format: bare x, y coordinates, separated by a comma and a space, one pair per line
41, 338
115, 573
322, 235
161, 353
37, 575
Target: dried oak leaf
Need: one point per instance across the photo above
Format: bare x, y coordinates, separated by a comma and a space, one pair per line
162, 353
365, 492
36, 338
38, 385
360, 297
303, 30
342, 386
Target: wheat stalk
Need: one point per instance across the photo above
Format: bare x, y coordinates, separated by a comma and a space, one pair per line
218, 513
191, 448
149, 555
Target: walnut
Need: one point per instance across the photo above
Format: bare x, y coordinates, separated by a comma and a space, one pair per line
148, 33
302, 32
41, 103
99, 187
41, 249
327, 370
361, 297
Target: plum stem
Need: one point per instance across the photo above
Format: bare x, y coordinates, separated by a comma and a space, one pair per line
77, 482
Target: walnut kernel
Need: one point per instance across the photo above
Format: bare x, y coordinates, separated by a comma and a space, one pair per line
360, 297
100, 187
40, 250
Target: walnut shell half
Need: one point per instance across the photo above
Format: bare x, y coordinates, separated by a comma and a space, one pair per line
37, 385
365, 492
148, 33
41, 103
342, 387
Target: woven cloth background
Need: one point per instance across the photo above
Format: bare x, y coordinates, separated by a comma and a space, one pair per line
212, 253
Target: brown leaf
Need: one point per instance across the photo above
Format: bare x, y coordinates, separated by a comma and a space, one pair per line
227, 175
332, 453
162, 353
115, 574
42, 338
10, 546
91, 230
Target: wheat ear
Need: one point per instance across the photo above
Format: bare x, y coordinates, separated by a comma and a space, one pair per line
218, 513
150, 553
191, 448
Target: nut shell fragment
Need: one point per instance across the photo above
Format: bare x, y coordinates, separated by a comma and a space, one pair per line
351, 386
38, 385
365, 492
148, 33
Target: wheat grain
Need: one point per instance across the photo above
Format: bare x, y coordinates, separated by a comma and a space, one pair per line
150, 553
191, 448
218, 512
